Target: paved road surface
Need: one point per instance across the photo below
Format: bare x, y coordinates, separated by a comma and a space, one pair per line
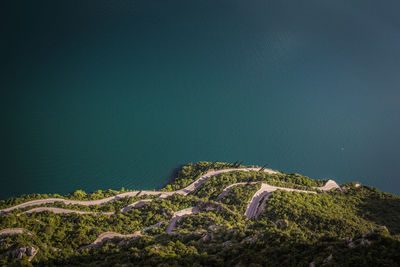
14, 231
264, 190
227, 189
177, 216
162, 194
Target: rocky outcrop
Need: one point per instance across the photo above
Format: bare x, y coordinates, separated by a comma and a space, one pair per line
282, 223
328, 259
28, 251
250, 239
213, 227
364, 241
379, 229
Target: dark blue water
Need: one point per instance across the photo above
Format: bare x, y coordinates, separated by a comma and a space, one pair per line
105, 94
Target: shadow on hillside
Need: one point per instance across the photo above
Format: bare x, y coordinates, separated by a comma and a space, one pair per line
384, 212
383, 251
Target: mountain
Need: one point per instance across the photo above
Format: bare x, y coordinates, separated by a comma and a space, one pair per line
211, 214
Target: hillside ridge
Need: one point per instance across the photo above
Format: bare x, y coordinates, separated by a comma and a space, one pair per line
213, 213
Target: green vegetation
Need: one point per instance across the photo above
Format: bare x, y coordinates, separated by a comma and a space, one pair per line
215, 185
189, 173
77, 195
239, 197
357, 227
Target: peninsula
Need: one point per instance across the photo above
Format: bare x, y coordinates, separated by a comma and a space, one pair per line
211, 214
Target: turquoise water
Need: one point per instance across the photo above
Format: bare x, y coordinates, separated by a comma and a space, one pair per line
110, 94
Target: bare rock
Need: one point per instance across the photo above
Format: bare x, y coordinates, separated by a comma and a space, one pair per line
380, 229
351, 244
18, 253
249, 239
213, 227
282, 223
227, 244
365, 242
328, 259
230, 231
30, 251
207, 237
123, 243
204, 237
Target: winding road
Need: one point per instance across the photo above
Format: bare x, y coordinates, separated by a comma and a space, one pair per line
330, 184
107, 236
190, 188
60, 210
136, 204
14, 231
254, 207
177, 216
251, 210
267, 189
227, 189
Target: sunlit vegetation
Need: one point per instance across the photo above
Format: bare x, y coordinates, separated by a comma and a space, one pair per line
239, 197
77, 195
357, 227
189, 173
215, 185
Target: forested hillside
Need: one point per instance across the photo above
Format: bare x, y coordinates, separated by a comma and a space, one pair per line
202, 219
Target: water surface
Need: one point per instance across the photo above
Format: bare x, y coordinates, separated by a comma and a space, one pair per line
110, 94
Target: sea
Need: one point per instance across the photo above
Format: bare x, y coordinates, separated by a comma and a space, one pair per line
121, 93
